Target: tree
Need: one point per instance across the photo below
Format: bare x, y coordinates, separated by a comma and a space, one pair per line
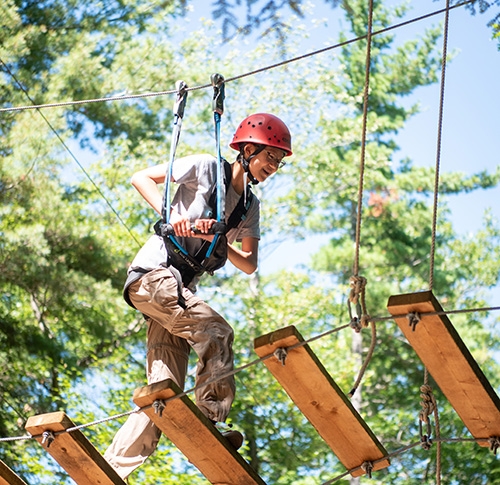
83, 343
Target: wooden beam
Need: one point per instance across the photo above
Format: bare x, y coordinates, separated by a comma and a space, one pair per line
450, 363
195, 436
83, 463
9, 477
319, 398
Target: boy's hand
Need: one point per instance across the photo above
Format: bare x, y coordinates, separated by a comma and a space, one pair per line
180, 224
202, 227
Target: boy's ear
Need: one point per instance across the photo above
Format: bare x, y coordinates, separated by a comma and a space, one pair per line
248, 149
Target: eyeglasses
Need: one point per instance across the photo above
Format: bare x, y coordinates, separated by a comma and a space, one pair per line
273, 160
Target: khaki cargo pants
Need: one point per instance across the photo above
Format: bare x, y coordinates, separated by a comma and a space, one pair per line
172, 332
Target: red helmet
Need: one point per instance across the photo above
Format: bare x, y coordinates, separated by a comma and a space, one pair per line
263, 129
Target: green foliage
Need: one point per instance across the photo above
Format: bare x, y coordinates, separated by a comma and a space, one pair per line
67, 339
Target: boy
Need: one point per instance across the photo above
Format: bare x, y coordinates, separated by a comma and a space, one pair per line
178, 320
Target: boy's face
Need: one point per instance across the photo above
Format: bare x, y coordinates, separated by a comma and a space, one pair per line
265, 163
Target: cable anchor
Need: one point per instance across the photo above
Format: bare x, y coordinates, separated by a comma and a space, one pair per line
413, 319
159, 406
281, 354
48, 437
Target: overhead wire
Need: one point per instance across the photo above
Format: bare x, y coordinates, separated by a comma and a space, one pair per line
234, 78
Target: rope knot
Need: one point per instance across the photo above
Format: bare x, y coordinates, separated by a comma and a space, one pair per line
357, 298
358, 284
365, 320
428, 403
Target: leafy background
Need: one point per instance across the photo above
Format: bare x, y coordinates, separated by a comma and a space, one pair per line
68, 341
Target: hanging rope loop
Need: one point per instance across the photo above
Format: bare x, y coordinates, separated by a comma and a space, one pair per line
428, 404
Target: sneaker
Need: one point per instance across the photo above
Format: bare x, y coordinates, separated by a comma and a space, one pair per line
235, 438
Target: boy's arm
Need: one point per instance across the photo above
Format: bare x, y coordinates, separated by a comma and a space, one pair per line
146, 182
246, 258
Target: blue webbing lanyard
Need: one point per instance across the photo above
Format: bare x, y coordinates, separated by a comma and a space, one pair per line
178, 111
218, 107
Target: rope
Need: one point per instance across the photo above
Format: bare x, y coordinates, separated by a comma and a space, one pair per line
438, 148
367, 360
250, 73
429, 406
363, 136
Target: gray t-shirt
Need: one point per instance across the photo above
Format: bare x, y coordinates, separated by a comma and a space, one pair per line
196, 176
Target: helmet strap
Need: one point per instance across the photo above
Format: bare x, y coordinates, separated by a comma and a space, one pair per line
245, 162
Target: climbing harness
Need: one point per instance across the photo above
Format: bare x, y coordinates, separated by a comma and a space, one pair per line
212, 255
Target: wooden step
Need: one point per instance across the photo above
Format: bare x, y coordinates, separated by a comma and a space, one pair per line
195, 436
321, 401
450, 363
9, 477
83, 463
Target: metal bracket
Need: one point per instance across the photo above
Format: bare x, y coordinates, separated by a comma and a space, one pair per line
413, 319
494, 443
367, 467
159, 406
48, 437
281, 354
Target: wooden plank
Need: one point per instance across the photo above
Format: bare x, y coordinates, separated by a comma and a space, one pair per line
195, 436
83, 463
450, 363
9, 477
321, 401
